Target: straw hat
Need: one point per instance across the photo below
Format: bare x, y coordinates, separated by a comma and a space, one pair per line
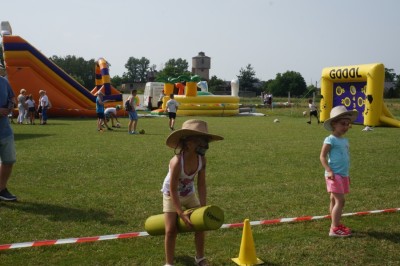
22, 91
192, 127
42, 91
340, 112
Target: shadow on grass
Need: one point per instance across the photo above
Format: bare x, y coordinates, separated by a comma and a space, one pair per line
19, 136
393, 237
188, 260
64, 214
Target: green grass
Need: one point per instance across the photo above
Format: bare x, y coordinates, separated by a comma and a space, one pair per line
75, 182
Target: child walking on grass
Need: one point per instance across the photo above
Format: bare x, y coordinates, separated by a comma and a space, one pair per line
313, 110
335, 158
178, 188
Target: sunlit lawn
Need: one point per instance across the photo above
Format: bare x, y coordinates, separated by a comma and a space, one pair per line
75, 182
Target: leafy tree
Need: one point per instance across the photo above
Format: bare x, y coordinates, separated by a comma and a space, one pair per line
289, 81
174, 68
215, 84
395, 92
390, 76
117, 81
77, 67
137, 69
247, 78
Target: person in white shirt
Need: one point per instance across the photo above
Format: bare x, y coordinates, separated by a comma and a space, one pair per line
172, 108
313, 110
44, 104
111, 113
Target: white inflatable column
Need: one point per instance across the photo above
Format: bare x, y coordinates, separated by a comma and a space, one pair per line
235, 87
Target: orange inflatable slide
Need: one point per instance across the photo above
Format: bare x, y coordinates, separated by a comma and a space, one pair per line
28, 68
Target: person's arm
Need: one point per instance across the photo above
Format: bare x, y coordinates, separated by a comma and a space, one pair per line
100, 101
175, 167
131, 102
115, 117
201, 183
324, 161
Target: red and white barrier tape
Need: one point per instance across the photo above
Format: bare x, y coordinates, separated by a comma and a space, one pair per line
141, 234
307, 218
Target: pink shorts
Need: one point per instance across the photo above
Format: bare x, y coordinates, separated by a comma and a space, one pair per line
340, 185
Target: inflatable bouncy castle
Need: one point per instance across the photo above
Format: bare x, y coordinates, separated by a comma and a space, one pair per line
194, 103
358, 87
28, 68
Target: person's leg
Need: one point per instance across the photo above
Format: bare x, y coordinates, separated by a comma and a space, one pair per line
130, 125
44, 115
135, 122
5, 173
199, 239
20, 114
172, 123
337, 204
171, 232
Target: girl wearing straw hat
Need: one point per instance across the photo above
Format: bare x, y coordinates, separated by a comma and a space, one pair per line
190, 144
335, 158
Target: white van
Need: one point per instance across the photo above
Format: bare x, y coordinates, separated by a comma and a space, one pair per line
151, 95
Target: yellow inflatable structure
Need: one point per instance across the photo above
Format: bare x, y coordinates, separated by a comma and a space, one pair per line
358, 87
192, 104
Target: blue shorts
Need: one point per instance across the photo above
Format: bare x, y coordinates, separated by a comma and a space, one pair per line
133, 115
100, 115
7, 150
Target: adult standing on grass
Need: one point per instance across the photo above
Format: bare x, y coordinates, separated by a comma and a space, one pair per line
172, 108
44, 106
178, 188
133, 116
7, 146
22, 107
335, 158
100, 112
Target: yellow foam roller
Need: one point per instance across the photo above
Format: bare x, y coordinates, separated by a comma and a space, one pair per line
203, 219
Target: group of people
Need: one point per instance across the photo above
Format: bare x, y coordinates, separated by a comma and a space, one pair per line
190, 144
104, 115
266, 99
27, 108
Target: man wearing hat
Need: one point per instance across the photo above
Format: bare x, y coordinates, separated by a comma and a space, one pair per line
190, 145
7, 146
44, 104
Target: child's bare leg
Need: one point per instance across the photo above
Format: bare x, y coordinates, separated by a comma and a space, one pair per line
170, 236
199, 239
337, 204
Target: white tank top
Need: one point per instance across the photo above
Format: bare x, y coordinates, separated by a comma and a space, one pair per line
186, 182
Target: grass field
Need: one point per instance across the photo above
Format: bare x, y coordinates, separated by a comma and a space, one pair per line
75, 182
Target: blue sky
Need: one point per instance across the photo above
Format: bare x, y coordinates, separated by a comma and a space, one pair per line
274, 36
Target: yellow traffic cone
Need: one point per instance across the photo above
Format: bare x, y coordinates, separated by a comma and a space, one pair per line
247, 254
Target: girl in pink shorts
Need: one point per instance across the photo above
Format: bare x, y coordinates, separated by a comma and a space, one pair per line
335, 158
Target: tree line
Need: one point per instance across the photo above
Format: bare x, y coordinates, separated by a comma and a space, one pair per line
141, 70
